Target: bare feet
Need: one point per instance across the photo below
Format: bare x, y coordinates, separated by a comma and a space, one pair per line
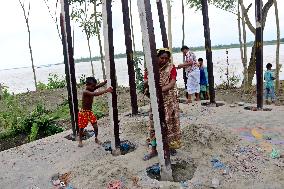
98, 141
150, 155
80, 144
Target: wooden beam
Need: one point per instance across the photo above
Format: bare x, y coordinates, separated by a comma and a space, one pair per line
157, 104
259, 52
162, 23
110, 70
69, 64
208, 49
129, 53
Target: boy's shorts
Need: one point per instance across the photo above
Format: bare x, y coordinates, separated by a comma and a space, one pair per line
84, 117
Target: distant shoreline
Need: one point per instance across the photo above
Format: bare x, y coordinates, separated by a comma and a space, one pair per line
140, 53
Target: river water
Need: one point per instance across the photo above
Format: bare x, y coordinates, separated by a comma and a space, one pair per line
21, 80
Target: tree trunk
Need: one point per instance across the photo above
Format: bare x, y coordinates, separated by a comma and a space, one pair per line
170, 26
131, 24
240, 41
183, 39
29, 33
277, 47
251, 67
183, 19
100, 41
265, 9
245, 58
90, 55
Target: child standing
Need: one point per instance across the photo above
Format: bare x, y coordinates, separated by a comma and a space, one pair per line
86, 115
203, 80
269, 84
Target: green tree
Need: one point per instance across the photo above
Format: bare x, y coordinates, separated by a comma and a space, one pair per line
230, 6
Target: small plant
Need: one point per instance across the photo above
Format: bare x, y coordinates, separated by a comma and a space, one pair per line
54, 82
139, 74
231, 81
82, 80
41, 86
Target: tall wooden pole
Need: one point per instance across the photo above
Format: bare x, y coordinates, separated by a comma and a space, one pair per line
157, 104
183, 39
259, 53
69, 64
110, 70
208, 50
169, 10
129, 53
162, 23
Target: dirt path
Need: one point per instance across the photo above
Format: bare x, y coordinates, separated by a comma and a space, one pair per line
207, 133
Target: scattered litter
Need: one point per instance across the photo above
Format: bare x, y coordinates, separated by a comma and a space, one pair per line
217, 164
154, 171
215, 183
275, 154
125, 146
61, 181
241, 103
266, 137
116, 184
184, 184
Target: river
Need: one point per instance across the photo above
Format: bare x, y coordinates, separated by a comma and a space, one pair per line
21, 80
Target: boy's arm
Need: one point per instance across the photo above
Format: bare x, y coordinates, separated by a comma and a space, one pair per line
108, 90
101, 84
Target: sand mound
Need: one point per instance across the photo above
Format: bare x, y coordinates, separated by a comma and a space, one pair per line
207, 136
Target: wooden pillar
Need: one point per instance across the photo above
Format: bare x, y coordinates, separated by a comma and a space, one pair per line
259, 53
208, 50
110, 70
69, 64
162, 23
157, 104
129, 53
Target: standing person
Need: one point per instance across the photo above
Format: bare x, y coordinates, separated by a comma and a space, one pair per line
86, 115
168, 76
203, 80
192, 72
269, 84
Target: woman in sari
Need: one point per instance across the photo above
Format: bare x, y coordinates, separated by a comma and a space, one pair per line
168, 75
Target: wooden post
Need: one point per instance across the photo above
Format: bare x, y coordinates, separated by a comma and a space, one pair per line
69, 64
129, 53
110, 70
157, 104
183, 39
208, 50
259, 53
162, 23
228, 82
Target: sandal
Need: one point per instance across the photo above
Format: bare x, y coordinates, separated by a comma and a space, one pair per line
149, 156
173, 152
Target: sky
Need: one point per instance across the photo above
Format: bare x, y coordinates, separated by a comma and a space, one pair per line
47, 47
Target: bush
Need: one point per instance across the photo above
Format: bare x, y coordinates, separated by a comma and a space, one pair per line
54, 82
36, 124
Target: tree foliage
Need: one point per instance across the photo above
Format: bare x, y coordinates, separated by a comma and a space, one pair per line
228, 5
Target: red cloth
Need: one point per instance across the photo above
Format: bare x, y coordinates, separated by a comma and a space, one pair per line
84, 117
173, 75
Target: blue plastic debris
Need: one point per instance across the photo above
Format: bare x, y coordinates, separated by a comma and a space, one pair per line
217, 164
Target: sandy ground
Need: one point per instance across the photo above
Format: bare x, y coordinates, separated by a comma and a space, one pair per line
236, 137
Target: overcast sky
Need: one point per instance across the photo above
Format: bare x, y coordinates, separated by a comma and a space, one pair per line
47, 47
